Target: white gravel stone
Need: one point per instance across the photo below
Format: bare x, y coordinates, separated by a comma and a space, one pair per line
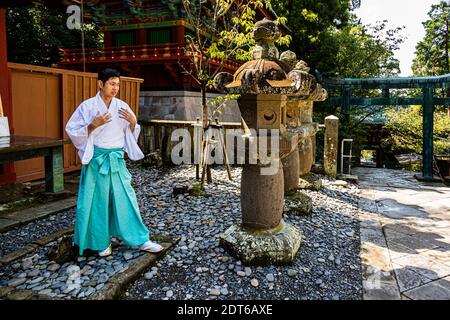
292, 272
128, 255
215, 292
16, 282
53, 267
148, 275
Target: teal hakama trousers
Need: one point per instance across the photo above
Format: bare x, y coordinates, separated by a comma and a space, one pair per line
107, 204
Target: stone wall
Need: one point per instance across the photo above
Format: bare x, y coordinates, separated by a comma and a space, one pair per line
183, 105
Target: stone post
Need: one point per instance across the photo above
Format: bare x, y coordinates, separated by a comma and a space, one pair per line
263, 237
331, 145
291, 170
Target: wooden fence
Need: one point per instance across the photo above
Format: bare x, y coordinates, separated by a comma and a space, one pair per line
43, 100
156, 134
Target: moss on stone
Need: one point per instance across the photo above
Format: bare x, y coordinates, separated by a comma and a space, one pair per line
262, 249
197, 190
19, 205
297, 202
310, 181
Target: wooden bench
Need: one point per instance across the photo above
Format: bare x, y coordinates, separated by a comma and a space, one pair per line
23, 147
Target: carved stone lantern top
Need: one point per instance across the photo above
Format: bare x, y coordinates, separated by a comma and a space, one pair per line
268, 72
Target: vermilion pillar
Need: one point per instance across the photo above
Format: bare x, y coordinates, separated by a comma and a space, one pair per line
7, 174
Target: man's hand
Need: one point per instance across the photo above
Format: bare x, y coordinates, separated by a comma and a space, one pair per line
99, 121
125, 114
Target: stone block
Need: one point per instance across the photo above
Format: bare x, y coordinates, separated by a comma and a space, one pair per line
423, 265
436, 290
408, 279
276, 246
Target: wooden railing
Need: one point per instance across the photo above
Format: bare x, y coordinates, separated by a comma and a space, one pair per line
155, 135
171, 51
43, 100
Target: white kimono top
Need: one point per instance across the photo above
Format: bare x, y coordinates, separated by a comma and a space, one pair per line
114, 134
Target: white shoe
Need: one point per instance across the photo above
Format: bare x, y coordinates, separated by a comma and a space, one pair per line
152, 247
106, 252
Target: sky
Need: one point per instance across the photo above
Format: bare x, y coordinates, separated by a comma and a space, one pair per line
408, 13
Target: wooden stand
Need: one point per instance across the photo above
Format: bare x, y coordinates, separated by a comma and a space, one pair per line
207, 146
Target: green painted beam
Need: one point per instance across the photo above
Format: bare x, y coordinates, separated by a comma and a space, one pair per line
357, 101
54, 170
387, 83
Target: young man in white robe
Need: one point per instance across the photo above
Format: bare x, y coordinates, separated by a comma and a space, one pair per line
102, 129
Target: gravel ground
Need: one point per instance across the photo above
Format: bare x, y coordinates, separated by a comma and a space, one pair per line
20, 236
327, 265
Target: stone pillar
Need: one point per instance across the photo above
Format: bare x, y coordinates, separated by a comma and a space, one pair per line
263, 237
306, 148
291, 166
262, 208
331, 145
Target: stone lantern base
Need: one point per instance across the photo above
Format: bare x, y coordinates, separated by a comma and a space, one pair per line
277, 246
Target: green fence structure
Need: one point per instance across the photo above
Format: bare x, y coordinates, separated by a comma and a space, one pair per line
347, 86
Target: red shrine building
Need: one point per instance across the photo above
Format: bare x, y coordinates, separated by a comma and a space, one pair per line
142, 38
146, 39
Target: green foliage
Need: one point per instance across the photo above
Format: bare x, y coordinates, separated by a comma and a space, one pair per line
363, 51
432, 53
405, 127
222, 31
197, 190
330, 39
35, 35
226, 34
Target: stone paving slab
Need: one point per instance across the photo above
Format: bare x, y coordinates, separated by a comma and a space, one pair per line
408, 279
116, 285
393, 209
6, 224
424, 265
440, 255
413, 243
30, 214
415, 220
436, 290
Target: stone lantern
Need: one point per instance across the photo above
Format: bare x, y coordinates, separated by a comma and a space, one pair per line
264, 84
299, 109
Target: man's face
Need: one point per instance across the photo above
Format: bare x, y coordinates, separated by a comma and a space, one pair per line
111, 87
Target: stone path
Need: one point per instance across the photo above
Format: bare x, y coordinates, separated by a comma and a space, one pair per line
405, 231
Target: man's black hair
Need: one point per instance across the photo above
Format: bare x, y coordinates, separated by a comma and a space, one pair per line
108, 73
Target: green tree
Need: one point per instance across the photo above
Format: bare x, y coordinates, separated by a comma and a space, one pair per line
364, 51
35, 35
310, 22
330, 38
406, 130
223, 30
432, 53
